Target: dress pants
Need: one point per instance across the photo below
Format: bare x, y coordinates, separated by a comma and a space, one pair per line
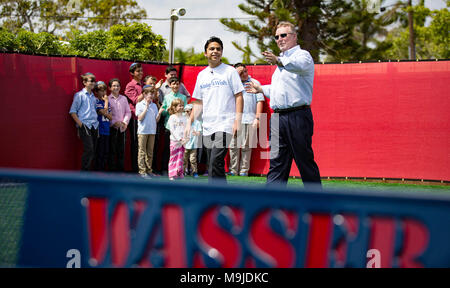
102, 152
217, 147
294, 134
117, 150
156, 165
89, 137
166, 152
134, 146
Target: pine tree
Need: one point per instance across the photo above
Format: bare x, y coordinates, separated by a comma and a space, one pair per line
339, 30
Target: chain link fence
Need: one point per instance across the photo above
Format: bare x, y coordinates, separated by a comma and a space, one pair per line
13, 196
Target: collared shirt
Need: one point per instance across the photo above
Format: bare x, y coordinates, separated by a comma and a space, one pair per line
132, 91
291, 85
148, 124
166, 105
84, 106
165, 90
120, 109
250, 102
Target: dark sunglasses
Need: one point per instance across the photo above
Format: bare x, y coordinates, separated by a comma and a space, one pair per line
283, 35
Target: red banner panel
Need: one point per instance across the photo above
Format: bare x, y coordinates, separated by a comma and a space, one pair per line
383, 120
371, 119
374, 119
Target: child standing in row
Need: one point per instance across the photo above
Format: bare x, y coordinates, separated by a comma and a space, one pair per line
168, 98
133, 93
121, 115
147, 115
153, 81
176, 124
83, 113
104, 116
190, 153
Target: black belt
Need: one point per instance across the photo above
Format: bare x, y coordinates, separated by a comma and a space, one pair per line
291, 109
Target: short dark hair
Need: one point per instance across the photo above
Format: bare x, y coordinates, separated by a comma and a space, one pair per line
150, 76
134, 66
87, 76
213, 39
100, 85
112, 81
239, 65
173, 79
170, 69
147, 90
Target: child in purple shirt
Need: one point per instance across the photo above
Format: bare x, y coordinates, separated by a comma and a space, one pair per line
121, 116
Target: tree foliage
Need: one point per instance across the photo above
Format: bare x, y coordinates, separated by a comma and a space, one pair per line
432, 41
56, 15
131, 41
341, 30
28, 42
356, 33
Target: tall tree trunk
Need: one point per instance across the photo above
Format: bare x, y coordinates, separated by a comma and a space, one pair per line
308, 32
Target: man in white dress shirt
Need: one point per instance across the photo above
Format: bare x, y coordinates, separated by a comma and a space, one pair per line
290, 96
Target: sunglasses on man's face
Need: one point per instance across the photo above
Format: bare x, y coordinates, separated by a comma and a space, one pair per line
283, 35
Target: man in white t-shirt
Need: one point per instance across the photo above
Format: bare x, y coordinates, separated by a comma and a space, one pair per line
218, 94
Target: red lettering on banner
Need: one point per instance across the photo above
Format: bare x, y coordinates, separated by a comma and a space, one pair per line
120, 226
216, 242
120, 235
249, 263
97, 227
198, 261
317, 254
382, 238
270, 235
270, 247
416, 237
174, 237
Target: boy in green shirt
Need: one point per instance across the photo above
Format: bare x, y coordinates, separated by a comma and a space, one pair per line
174, 84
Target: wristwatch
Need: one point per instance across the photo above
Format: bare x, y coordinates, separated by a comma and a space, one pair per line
279, 62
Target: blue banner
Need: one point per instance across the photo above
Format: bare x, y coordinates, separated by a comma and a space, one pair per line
94, 220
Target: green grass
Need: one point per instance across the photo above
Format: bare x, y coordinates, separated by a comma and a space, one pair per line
332, 184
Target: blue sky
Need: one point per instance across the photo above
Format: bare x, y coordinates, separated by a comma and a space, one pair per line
194, 33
